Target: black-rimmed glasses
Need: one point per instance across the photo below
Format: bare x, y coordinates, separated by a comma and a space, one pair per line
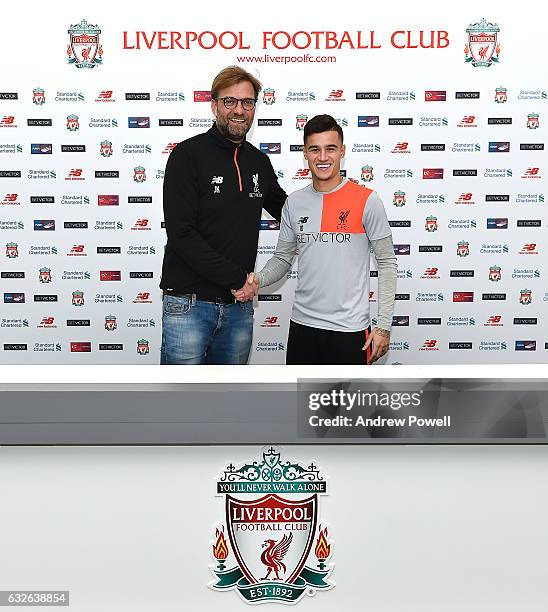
231, 103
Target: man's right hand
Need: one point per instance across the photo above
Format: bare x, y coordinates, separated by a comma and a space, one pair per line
249, 290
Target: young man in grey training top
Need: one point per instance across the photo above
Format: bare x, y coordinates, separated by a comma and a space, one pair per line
332, 224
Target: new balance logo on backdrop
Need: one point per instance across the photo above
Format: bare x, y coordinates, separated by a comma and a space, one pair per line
336, 95
270, 321
76, 174
106, 95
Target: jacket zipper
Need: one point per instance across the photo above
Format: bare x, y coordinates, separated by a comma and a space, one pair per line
237, 168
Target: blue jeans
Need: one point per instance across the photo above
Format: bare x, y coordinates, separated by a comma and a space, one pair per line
196, 332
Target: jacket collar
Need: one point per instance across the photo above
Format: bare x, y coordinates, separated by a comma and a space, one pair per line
221, 140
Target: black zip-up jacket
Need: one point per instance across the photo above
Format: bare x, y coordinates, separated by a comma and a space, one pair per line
214, 191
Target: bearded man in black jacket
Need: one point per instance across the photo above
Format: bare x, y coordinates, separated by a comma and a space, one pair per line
215, 187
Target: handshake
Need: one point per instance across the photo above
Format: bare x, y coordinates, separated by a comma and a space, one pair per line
249, 290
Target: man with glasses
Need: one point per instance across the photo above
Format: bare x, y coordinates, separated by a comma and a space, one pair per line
215, 187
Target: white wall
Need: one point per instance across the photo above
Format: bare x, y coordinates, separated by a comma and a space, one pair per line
415, 529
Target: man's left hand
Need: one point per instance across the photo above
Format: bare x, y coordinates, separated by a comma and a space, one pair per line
380, 338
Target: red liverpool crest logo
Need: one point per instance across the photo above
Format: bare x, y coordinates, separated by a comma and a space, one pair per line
275, 551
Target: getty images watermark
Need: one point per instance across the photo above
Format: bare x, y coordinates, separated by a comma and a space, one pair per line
370, 408
350, 400
347, 400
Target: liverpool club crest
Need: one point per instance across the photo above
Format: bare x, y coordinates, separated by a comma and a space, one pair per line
110, 323
84, 50
269, 96
38, 96
73, 124
494, 273
431, 224
463, 248
501, 95
143, 347
271, 546
367, 174
301, 121
525, 296
399, 198
12, 250
78, 298
482, 48
44, 275
139, 174
533, 121
106, 148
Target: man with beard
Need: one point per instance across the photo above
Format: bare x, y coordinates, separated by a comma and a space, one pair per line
215, 187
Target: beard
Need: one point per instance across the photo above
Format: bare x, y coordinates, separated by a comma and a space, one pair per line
233, 131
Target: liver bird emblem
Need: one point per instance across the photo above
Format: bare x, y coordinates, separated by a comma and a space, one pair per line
273, 555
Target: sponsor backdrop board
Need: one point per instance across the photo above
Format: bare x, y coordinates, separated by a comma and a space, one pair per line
443, 111
428, 529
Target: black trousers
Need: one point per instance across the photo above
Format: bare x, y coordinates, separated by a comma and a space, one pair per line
313, 346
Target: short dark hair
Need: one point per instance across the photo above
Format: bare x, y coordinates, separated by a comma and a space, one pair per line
232, 75
322, 123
